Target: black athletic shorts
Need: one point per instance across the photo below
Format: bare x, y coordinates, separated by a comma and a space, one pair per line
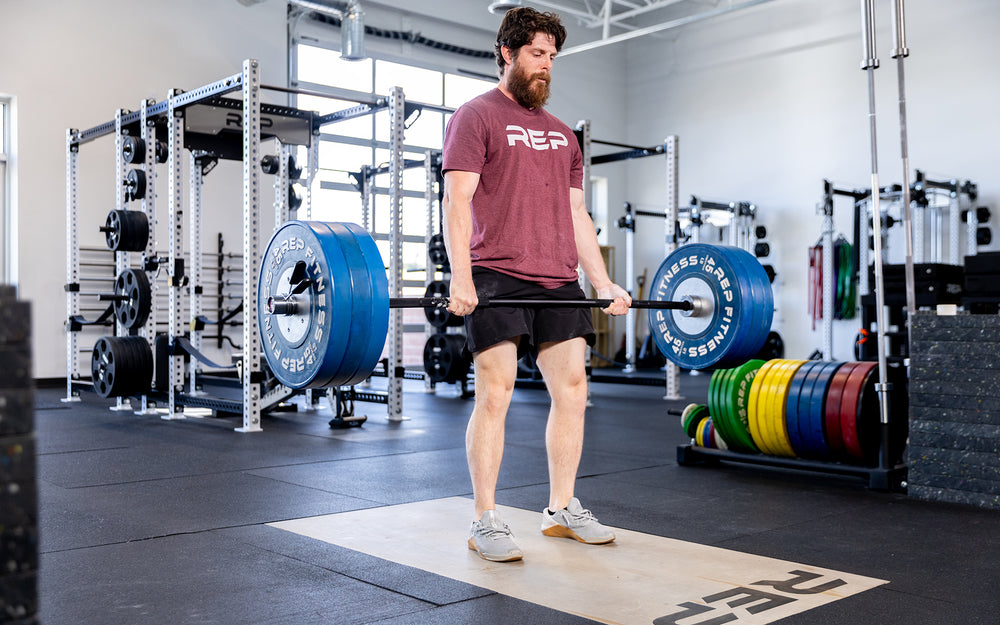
488, 326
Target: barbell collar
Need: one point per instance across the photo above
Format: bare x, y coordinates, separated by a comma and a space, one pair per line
282, 307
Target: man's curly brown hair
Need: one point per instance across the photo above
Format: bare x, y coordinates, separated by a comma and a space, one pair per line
519, 27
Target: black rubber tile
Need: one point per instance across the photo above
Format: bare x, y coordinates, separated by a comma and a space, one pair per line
490, 610
83, 517
204, 578
939, 552
384, 479
389, 575
419, 476
213, 452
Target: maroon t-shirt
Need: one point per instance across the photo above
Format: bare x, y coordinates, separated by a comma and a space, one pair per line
527, 160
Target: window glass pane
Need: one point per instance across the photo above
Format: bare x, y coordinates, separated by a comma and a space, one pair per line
357, 127
415, 220
426, 131
330, 205
419, 85
341, 157
415, 179
460, 89
325, 67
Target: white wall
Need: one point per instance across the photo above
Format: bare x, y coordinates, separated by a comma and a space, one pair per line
72, 64
769, 101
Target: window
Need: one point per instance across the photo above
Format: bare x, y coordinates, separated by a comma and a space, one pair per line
347, 146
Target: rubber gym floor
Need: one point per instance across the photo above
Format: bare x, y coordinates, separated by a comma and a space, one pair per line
144, 520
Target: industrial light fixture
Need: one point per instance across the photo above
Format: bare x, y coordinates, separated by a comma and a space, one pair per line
352, 26
352, 33
500, 7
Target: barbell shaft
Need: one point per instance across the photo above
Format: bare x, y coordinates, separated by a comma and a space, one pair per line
443, 302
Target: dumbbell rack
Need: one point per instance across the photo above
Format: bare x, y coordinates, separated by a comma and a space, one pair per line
206, 123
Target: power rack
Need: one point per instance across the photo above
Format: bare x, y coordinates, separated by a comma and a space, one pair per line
212, 126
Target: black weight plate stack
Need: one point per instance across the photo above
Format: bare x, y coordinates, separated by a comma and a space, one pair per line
446, 359
934, 283
135, 185
133, 311
440, 318
133, 149
18, 474
437, 252
121, 366
126, 231
982, 283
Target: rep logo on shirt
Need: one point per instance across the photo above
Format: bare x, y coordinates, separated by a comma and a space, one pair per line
535, 139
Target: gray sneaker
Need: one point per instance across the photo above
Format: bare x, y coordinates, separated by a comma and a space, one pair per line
575, 522
492, 538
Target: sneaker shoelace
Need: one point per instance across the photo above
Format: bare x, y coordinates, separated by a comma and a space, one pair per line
582, 517
495, 533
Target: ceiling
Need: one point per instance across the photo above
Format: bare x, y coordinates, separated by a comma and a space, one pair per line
620, 20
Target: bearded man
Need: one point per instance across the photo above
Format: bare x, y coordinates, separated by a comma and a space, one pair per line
516, 226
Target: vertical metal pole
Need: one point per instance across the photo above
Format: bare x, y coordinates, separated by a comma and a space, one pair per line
583, 127
194, 256
367, 220
971, 225
312, 168
121, 258
282, 194
900, 52
251, 245
72, 261
828, 283
869, 64
673, 371
395, 369
148, 127
629, 281
954, 225
175, 154
863, 208
429, 272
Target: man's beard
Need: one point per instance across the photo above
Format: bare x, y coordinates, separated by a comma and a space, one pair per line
526, 90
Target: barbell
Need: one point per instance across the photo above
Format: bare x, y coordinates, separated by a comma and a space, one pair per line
323, 305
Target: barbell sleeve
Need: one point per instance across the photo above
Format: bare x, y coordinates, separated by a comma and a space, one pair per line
442, 302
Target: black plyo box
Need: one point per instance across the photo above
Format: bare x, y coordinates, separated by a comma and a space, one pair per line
959, 462
982, 284
983, 262
17, 412
958, 436
19, 597
18, 549
18, 481
15, 322
954, 445
15, 367
953, 495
